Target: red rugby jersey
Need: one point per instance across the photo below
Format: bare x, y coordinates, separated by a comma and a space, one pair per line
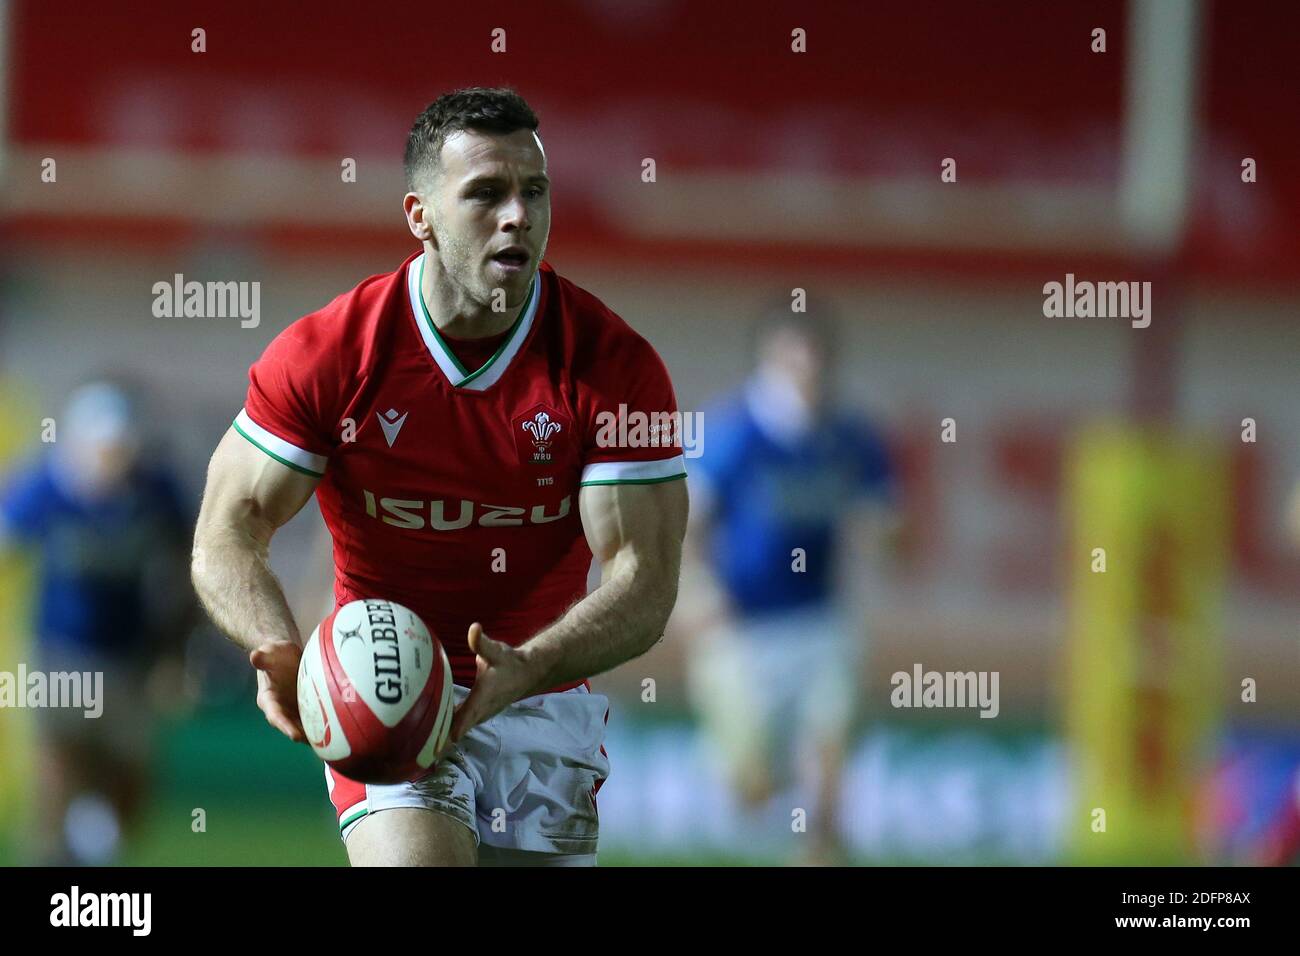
457, 494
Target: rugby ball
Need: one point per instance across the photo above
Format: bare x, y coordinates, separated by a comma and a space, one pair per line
375, 692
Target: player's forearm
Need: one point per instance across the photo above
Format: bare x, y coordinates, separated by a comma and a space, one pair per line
243, 597
620, 620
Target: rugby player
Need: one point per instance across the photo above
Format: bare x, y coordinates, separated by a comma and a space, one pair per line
793, 493
446, 416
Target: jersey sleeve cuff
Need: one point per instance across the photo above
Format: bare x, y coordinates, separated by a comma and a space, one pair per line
286, 453
633, 472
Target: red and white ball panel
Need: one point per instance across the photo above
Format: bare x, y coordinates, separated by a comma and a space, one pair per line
315, 707
374, 692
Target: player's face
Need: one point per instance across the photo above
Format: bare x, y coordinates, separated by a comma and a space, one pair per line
492, 213
100, 467
800, 359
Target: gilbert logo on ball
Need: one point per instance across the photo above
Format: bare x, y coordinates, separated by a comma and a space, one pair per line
374, 692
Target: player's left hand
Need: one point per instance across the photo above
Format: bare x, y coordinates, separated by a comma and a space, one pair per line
504, 675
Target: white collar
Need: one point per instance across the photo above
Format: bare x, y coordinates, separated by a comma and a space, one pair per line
460, 377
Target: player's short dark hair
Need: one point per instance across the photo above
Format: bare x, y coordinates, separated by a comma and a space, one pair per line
484, 110
818, 324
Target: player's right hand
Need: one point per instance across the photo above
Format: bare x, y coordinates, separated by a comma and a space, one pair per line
277, 686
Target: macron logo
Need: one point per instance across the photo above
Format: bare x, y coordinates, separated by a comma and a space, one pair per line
391, 423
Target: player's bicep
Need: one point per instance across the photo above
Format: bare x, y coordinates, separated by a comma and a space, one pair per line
636, 525
249, 490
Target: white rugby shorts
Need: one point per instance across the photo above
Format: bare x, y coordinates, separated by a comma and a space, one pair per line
524, 780
765, 688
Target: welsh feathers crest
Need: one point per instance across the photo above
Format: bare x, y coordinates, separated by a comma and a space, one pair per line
541, 426
540, 433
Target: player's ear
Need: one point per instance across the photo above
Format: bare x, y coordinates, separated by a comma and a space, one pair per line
419, 217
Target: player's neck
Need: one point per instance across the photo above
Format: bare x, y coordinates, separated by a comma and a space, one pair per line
457, 315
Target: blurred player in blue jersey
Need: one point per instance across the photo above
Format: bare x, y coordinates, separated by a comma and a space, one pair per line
111, 536
786, 486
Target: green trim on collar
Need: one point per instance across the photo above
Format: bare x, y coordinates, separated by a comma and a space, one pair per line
510, 335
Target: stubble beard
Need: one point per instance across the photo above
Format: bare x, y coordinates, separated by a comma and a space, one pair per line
464, 267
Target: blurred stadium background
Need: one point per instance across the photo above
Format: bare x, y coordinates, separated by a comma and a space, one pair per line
774, 171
